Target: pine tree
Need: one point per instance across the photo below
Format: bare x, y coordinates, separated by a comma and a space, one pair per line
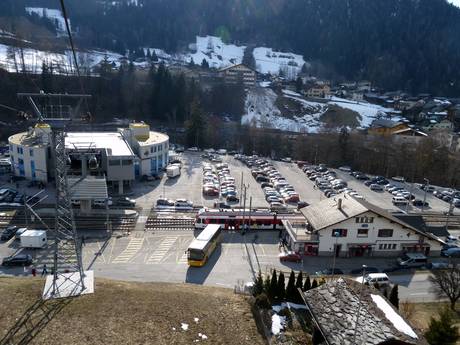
191, 63
290, 289
281, 288
154, 56
442, 331
204, 63
307, 284
298, 84
267, 284
258, 287
299, 281
273, 287
314, 284
394, 298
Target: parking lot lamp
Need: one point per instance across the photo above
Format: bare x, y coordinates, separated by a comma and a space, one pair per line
427, 183
334, 252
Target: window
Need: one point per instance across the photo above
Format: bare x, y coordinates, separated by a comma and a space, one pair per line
364, 219
385, 233
154, 149
126, 162
32, 169
31, 152
151, 149
20, 150
363, 232
146, 153
393, 246
114, 162
339, 233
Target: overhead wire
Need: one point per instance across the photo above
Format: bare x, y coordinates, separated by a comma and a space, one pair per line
74, 54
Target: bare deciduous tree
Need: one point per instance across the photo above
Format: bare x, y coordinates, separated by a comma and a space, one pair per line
447, 283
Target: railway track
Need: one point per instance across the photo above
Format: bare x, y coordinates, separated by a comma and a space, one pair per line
155, 223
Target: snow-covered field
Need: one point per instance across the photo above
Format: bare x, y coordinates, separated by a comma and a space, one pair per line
215, 52
369, 112
272, 62
54, 15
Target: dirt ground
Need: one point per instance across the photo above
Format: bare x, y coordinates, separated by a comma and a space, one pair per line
136, 313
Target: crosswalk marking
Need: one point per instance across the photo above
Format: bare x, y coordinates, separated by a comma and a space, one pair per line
134, 245
182, 259
161, 250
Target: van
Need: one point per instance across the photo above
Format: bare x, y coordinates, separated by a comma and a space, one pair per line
399, 200
375, 278
412, 260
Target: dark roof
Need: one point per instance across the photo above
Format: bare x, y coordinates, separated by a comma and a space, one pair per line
238, 64
384, 123
418, 222
334, 308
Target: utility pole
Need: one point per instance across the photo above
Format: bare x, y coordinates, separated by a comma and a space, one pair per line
241, 189
427, 183
250, 208
244, 209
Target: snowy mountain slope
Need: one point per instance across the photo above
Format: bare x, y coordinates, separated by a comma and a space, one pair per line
215, 52
54, 15
272, 62
263, 111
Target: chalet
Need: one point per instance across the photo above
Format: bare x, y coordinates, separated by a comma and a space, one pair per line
319, 90
386, 127
344, 311
238, 73
347, 227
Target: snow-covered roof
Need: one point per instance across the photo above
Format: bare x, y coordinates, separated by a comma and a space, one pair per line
113, 142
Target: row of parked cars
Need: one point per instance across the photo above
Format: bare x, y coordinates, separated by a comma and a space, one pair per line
326, 180
217, 181
178, 203
8, 195
450, 196
278, 192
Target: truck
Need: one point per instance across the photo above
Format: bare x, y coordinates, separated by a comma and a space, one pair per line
33, 239
173, 171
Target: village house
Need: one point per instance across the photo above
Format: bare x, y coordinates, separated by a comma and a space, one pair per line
347, 227
236, 73
318, 90
346, 312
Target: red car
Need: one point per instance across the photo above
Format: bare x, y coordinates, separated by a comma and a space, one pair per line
290, 256
210, 191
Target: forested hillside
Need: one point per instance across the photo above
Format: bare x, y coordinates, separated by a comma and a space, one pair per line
399, 44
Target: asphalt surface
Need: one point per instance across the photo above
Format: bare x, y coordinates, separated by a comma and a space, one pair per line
160, 256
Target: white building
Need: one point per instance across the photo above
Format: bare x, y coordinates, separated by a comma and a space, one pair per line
349, 227
121, 156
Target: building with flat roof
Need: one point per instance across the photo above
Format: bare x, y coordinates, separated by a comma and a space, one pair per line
119, 156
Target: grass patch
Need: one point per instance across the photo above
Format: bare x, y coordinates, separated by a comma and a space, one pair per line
336, 116
136, 313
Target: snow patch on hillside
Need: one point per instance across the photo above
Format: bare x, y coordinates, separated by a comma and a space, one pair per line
62, 63
215, 52
369, 112
54, 15
272, 62
262, 112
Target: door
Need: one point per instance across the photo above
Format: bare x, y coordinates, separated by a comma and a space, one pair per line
337, 249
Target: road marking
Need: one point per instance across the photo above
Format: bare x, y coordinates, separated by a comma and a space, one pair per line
162, 250
418, 294
134, 245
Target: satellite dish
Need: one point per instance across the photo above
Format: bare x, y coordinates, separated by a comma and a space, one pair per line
93, 163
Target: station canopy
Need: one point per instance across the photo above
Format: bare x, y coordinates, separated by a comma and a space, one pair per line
88, 188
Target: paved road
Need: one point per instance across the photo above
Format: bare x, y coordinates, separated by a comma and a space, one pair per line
160, 256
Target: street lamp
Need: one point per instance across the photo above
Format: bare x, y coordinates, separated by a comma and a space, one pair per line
427, 183
334, 252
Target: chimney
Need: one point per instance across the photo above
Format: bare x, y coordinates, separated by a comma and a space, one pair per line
339, 204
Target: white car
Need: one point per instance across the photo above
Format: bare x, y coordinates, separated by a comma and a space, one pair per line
345, 169
183, 203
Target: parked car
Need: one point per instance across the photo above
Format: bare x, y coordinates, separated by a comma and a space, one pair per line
17, 260
19, 232
232, 198
302, 204
375, 278
8, 233
183, 203
399, 200
398, 179
125, 202
451, 252
345, 169
329, 271
165, 202
376, 187
412, 260
290, 256
420, 203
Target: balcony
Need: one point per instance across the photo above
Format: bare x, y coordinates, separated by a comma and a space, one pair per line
299, 232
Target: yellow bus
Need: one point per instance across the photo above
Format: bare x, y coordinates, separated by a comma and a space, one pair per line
204, 245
